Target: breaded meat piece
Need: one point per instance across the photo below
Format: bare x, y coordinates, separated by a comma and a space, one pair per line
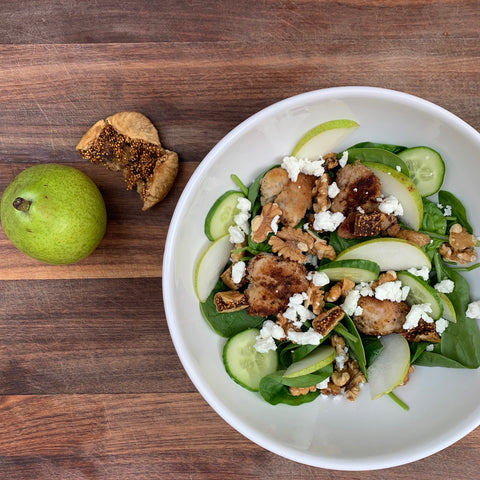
359, 186
272, 281
293, 198
380, 317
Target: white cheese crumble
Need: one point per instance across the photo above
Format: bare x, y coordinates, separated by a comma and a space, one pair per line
365, 289
343, 161
440, 325
392, 291
274, 224
445, 286
294, 166
241, 225
446, 209
324, 384
296, 312
341, 358
473, 310
350, 306
327, 221
319, 279
333, 190
268, 333
423, 272
238, 271
310, 337
417, 313
430, 347
398, 168
391, 205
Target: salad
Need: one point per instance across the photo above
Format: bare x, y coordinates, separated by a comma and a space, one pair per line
333, 270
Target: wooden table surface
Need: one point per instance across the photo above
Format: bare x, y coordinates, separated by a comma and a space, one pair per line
91, 385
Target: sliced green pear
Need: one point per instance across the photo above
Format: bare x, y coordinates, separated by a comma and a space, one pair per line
421, 292
319, 358
390, 367
210, 266
324, 138
400, 186
448, 308
355, 270
389, 253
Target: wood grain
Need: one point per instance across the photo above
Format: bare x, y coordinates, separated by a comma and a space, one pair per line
91, 385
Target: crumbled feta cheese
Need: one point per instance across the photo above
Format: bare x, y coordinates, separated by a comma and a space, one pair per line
440, 325
343, 161
365, 289
274, 224
473, 310
392, 291
423, 272
241, 225
417, 313
430, 347
399, 168
310, 337
296, 312
333, 190
294, 166
324, 384
319, 279
447, 212
391, 205
268, 333
341, 358
238, 271
349, 305
445, 286
360, 210
327, 221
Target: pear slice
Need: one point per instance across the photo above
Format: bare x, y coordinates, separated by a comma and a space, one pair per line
448, 308
400, 186
390, 367
389, 253
210, 266
324, 138
319, 358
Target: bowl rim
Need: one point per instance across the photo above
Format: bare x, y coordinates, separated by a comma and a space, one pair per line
370, 463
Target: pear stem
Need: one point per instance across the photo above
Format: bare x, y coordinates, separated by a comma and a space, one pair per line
21, 204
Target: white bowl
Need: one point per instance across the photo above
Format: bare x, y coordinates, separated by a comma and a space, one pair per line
327, 433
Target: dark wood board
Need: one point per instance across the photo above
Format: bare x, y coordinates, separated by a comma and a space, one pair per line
91, 385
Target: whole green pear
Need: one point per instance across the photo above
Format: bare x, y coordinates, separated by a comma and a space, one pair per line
54, 213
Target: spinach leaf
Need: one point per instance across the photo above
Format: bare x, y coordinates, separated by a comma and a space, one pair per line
339, 244
254, 191
433, 219
416, 350
432, 359
274, 391
378, 155
431, 249
293, 352
310, 379
229, 323
384, 146
372, 346
458, 210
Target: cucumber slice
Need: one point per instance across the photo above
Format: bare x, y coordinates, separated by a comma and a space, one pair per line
378, 155
421, 292
448, 308
210, 266
427, 169
319, 358
220, 216
390, 367
355, 270
244, 364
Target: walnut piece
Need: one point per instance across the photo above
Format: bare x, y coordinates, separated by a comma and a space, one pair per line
231, 301
460, 248
340, 289
292, 243
129, 142
266, 222
321, 202
323, 250
297, 391
315, 298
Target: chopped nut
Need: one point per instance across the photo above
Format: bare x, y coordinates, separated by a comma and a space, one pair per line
338, 343
389, 276
340, 289
297, 391
460, 248
262, 224
411, 368
340, 378
331, 161
417, 238
321, 202
231, 301
291, 243
327, 321
315, 298
323, 250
